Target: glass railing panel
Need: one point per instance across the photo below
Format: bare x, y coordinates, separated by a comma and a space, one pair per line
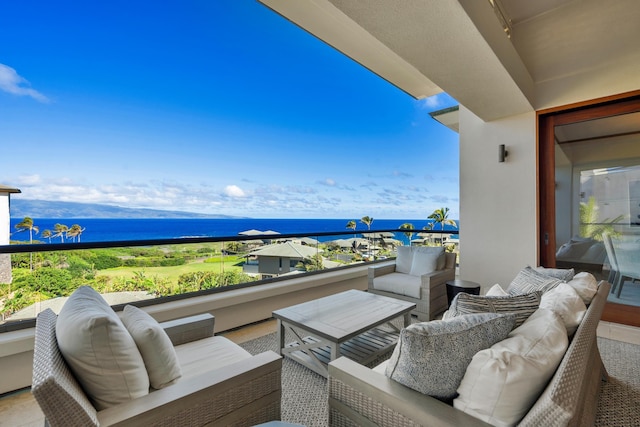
145, 272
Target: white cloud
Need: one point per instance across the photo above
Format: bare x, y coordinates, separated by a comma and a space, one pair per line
28, 180
13, 83
234, 191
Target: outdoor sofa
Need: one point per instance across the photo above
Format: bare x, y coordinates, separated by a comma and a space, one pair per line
366, 397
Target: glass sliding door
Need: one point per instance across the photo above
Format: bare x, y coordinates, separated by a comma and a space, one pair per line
589, 201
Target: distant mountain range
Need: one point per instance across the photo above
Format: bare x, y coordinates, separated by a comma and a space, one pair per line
47, 209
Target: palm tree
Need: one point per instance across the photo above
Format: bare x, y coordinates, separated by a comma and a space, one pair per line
409, 234
75, 231
367, 220
441, 216
47, 234
27, 224
59, 231
352, 225
590, 225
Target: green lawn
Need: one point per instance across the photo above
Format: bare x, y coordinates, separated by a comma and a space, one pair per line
172, 273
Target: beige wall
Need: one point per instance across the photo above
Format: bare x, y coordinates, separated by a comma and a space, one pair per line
231, 309
5, 230
498, 220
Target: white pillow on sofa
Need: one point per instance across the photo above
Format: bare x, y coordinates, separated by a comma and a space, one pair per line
158, 353
566, 303
404, 259
99, 350
586, 285
503, 382
496, 291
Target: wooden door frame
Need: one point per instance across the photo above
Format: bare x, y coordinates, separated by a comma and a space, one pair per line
546, 121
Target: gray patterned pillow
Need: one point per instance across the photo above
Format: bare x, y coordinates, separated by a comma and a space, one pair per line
564, 274
432, 357
522, 306
528, 280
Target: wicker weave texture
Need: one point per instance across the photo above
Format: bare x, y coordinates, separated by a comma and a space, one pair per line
569, 391
215, 406
365, 406
54, 387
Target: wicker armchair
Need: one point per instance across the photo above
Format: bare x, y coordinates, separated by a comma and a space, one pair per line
433, 290
245, 392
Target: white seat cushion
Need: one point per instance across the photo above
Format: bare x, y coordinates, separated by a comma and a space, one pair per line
209, 353
398, 283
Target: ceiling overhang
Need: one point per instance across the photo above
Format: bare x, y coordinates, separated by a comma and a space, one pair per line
424, 47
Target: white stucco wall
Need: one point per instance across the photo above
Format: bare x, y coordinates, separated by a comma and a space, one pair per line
498, 219
4, 219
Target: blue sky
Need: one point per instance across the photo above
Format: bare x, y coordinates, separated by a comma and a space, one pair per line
219, 107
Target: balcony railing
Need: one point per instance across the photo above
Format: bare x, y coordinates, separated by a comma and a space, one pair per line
147, 272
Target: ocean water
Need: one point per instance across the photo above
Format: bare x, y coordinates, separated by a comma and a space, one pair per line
105, 230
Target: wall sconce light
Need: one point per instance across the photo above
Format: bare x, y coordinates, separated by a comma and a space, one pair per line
502, 153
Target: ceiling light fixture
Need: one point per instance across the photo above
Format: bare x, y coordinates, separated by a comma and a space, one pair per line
505, 21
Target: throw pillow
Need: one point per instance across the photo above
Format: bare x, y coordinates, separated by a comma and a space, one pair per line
504, 381
586, 285
425, 260
434, 250
528, 280
522, 306
154, 344
432, 357
99, 350
567, 304
564, 274
496, 291
404, 259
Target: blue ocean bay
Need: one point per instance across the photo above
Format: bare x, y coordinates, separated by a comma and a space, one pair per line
110, 229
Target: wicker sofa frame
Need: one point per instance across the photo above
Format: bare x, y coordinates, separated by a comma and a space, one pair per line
244, 393
360, 396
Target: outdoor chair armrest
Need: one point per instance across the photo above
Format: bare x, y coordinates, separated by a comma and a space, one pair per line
381, 269
242, 390
188, 329
437, 277
369, 398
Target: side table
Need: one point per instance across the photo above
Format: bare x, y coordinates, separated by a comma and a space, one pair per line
454, 287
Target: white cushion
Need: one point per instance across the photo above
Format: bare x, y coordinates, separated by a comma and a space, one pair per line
200, 356
425, 260
566, 303
586, 285
497, 291
503, 382
154, 344
404, 259
439, 250
398, 283
431, 357
99, 350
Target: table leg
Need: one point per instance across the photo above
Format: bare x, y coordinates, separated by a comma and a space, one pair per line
280, 337
407, 319
335, 350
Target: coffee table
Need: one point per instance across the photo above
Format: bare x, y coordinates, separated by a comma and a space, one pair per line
354, 323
